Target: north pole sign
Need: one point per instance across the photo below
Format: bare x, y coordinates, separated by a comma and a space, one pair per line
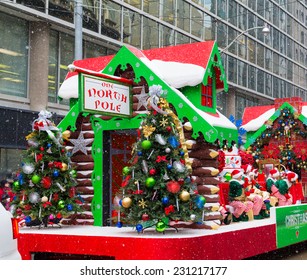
103, 96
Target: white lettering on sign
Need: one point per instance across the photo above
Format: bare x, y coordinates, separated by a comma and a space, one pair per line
107, 97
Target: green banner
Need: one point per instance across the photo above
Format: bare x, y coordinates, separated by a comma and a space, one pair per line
291, 224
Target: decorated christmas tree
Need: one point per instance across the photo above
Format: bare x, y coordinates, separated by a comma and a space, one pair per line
45, 185
157, 188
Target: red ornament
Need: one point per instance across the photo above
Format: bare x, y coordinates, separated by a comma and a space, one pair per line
173, 186
50, 164
42, 148
39, 157
145, 217
46, 182
168, 129
72, 192
181, 181
152, 171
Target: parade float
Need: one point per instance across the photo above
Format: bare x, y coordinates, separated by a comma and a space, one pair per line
109, 102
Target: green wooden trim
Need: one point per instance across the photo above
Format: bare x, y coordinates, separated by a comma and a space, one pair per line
183, 107
99, 126
276, 114
70, 119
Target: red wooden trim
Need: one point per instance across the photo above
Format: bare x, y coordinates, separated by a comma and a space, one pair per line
77, 69
232, 245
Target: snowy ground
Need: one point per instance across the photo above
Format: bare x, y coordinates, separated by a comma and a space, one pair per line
148, 233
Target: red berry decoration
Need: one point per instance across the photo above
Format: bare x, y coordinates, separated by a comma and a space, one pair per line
152, 171
173, 186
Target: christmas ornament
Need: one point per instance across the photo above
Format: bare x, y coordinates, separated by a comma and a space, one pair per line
28, 168
73, 173
144, 166
69, 207
46, 182
193, 217
142, 203
119, 224
32, 143
200, 201
36, 179
66, 135
142, 99
126, 202
150, 182
126, 170
173, 186
160, 139
44, 199
64, 167
56, 173
167, 150
146, 144
184, 196
145, 217
160, 226
61, 204
34, 197
168, 129
80, 144
179, 167
172, 140
165, 200
152, 171
139, 227
148, 130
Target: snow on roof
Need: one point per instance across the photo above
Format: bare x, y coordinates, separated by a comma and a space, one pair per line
255, 124
175, 74
217, 119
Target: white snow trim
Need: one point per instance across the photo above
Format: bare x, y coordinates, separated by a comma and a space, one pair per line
304, 111
255, 124
69, 88
176, 74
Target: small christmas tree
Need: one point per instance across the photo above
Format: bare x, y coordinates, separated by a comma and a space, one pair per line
45, 185
157, 187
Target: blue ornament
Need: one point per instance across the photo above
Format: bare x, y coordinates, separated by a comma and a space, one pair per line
49, 145
172, 140
28, 219
139, 153
119, 224
56, 173
169, 166
120, 202
139, 227
181, 153
165, 200
187, 180
69, 207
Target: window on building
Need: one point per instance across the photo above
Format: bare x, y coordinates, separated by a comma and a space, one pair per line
183, 15
150, 34
207, 94
13, 55
132, 28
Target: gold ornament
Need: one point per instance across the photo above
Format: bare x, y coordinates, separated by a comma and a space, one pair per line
148, 130
126, 202
31, 135
184, 196
164, 122
163, 103
64, 166
142, 203
66, 135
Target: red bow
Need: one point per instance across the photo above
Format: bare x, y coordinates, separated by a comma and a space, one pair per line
126, 181
161, 158
169, 209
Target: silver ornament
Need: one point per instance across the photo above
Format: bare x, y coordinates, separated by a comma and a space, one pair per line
193, 217
167, 150
28, 168
160, 139
34, 197
179, 166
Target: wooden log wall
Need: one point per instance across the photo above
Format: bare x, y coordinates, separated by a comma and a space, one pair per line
204, 167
